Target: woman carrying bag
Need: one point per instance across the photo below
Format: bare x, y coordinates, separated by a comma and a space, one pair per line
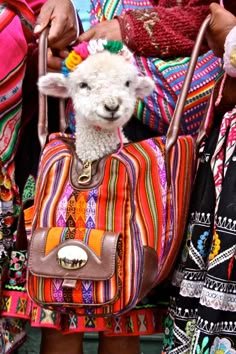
202, 312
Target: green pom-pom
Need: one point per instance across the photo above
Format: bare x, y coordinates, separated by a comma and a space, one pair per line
113, 46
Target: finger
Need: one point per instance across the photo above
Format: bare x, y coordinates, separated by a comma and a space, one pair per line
213, 7
61, 43
86, 36
54, 64
57, 29
61, 36
63, 53
59, 53
43, 19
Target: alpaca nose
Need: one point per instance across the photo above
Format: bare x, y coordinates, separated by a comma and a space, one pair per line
111, 109
111, 104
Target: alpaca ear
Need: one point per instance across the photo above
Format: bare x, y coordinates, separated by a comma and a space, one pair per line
145, 86
54, 84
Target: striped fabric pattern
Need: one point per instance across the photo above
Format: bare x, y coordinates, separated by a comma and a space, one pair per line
132, 200
107, 9
157, 110
11, 78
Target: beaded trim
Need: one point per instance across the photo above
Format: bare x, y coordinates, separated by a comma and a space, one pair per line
84, 49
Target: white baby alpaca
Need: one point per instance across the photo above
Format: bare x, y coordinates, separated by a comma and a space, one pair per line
104, 89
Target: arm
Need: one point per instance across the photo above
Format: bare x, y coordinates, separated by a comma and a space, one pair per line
163, 32
222, 22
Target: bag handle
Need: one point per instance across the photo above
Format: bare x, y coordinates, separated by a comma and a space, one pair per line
43, 104
173, 130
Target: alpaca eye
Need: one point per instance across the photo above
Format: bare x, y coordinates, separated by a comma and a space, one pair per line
127, 84
84, 85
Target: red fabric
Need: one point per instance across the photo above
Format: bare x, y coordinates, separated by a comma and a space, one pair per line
28, 8
35, 5
150, 32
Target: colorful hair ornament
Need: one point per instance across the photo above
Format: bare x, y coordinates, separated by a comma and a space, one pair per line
96, 46
84, 49
113, 46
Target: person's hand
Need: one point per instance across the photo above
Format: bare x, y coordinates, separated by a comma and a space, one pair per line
55, 59
221, 22
61, 15
109, 30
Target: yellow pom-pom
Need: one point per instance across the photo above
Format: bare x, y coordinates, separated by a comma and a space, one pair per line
73, 60
76, 58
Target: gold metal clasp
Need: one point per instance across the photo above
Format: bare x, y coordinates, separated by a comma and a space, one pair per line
86, 174
72, 257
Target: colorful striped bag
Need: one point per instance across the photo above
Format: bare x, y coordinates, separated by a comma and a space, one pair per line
101, 247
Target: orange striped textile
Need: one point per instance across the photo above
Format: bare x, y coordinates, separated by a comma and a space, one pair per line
127, 198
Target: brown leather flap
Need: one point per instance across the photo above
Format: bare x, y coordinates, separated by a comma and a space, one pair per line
97, 267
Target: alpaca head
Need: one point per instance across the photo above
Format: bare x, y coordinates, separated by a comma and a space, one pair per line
104, 89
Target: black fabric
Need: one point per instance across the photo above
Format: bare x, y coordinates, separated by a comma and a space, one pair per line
135, 130
202, 311
28, 152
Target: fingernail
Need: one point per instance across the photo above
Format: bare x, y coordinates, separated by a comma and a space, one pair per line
37, 28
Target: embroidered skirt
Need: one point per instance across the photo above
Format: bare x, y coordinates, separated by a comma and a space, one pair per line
202, 313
